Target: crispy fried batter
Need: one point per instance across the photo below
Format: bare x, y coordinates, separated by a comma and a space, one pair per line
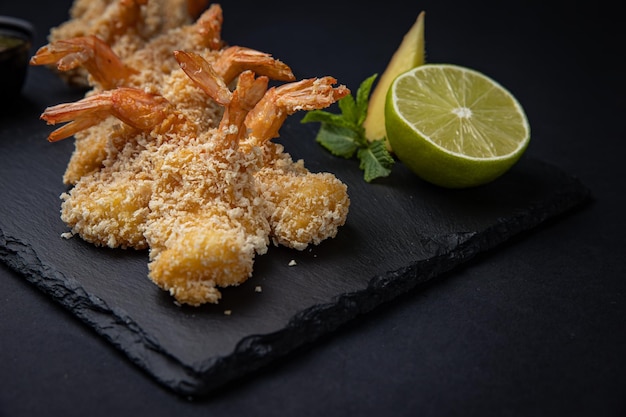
169, 158
304, 207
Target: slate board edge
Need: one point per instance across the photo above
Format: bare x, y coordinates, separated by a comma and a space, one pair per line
316, 321
113, 324
256, 351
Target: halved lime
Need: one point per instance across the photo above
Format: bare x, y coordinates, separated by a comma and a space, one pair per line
454, 126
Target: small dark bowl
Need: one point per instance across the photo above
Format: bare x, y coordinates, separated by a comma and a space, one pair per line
15, 41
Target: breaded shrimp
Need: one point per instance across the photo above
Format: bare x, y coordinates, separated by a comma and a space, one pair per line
108, 206
304, 207
207, 220
107, 70
125, 25
169, 158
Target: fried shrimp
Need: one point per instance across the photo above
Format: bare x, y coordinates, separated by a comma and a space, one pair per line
125, 25
207, 220
174, 151
303, 207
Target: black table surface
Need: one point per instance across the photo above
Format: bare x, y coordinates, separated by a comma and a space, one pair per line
536, 327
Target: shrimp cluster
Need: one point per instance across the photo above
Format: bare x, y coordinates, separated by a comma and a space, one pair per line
125, 25
173, 153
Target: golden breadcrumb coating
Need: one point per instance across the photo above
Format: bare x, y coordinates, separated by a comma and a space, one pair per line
173, 146
304, 207
207, 220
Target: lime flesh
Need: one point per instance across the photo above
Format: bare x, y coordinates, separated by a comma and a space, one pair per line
454, 126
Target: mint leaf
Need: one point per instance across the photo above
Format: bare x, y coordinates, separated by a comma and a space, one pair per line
344, 135
338, 140
328, 118
362, 98
376, 161
349, 110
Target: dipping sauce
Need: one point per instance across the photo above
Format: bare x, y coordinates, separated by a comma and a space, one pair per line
15, 43
7, 42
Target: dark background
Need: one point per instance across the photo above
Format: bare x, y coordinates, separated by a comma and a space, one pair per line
537, 327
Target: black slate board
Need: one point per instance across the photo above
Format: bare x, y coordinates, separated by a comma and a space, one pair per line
400, 232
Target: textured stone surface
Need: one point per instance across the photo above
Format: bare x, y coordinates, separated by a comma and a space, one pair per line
401, 232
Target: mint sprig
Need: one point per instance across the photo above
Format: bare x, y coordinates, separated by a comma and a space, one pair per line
344, 135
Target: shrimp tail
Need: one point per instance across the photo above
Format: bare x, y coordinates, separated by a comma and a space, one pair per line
90, 52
